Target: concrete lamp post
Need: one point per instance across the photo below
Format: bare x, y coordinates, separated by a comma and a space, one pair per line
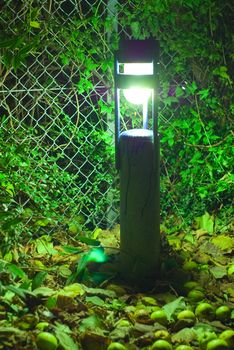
137, 159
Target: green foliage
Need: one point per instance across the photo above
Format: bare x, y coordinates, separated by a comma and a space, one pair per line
195, 111
199, 173
43, 38
30, 186
196, 100
174, 305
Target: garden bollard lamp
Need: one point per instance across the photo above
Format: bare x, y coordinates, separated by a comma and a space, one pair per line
137, 159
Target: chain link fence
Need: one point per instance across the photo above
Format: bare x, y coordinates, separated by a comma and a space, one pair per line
55, 98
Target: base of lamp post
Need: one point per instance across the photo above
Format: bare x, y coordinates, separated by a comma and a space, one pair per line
139, 207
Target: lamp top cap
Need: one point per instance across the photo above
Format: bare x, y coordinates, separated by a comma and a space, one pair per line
137, 51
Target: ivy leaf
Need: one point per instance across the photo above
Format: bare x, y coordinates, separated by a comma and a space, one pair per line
218, 271
95, 300
73, 290
38, 279
91, 322
64, 338
225, 243
66, 341
203, 93
171, 307
15, 271
185, 336
45, 248
210, 248
205, 222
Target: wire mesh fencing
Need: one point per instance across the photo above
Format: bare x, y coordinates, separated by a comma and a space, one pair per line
56, 107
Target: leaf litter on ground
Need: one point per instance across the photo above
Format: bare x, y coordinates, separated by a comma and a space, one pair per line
75, 291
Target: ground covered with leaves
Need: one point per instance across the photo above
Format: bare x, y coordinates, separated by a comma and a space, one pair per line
61, 292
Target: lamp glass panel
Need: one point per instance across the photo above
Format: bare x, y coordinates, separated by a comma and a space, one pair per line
136, 94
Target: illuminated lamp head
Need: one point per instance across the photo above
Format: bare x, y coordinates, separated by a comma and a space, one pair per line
136, 94
136, 81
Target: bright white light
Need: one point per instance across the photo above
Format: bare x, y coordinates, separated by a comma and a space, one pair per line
138, 68
138, 133
137, 95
